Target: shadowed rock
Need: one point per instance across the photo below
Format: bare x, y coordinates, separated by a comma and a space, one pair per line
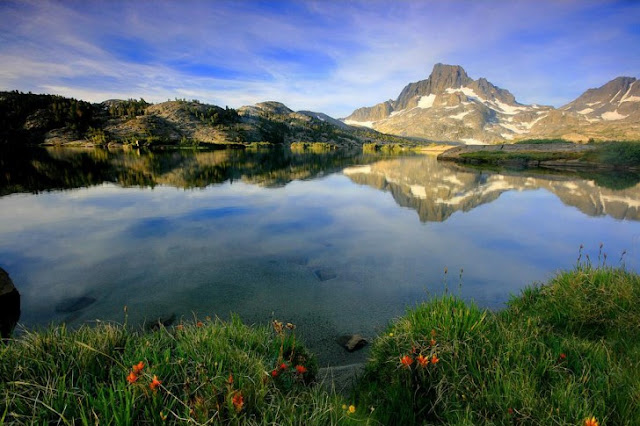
9, 305
162, 321
74, 304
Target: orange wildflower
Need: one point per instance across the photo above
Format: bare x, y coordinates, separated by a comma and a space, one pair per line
230, 379
433, 333
199, 324
301, 369
422, 360
238, 401
434, 359
591, 422
132, 377
154, 383
138, 367
179, 327
406, 361
432, 342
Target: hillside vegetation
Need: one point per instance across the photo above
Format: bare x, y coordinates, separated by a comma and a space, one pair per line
27, 118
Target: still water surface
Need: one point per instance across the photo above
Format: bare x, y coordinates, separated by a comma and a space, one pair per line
337, 244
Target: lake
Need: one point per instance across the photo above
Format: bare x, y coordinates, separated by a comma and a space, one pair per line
337, 243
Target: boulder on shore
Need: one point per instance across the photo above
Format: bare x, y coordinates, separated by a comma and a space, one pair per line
352, 342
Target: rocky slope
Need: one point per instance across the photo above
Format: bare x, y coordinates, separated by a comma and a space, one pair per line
451, 106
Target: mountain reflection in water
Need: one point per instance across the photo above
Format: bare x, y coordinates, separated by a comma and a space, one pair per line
436, 190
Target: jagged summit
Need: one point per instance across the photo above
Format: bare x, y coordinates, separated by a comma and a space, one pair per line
451, 106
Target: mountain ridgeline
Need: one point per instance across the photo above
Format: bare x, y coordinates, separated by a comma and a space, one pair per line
27, 118
451, 106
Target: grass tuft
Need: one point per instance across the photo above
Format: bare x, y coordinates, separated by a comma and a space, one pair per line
560, 353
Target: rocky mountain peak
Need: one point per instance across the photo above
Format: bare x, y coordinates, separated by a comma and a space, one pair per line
447, 76
451, 106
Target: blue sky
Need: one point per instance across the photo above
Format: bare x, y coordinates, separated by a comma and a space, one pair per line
329, 56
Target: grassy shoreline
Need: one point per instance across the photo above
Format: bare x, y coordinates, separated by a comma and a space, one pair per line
559, 353
551, 153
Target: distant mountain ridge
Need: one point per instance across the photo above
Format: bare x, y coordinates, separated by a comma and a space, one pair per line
451, 106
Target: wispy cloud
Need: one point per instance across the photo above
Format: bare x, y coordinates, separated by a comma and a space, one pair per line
329, 56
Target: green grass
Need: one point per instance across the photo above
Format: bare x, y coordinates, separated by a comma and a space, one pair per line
612, 155
499, 157
79, 377
619, 154
558, 354
313, 147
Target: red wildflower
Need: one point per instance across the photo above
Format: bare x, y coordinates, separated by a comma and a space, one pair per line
274, 373
138, 367
301, 369
283, 366
132, 377
510, 411
422, 360
406, 361
238, 401
154, 383
591, 422
563, 357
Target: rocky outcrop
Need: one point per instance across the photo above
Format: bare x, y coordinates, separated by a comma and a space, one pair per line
9, 305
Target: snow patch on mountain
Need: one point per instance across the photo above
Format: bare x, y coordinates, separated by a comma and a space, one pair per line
426, 101
471, 141
460, 116
368, 124
613, 115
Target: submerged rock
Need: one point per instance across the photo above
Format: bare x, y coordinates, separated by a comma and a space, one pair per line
324, 274
74, 304
162, 321
352, 342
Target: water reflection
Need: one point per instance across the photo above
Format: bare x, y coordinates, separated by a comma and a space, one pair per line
9, 305
437, 190
36, 170
330, 255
